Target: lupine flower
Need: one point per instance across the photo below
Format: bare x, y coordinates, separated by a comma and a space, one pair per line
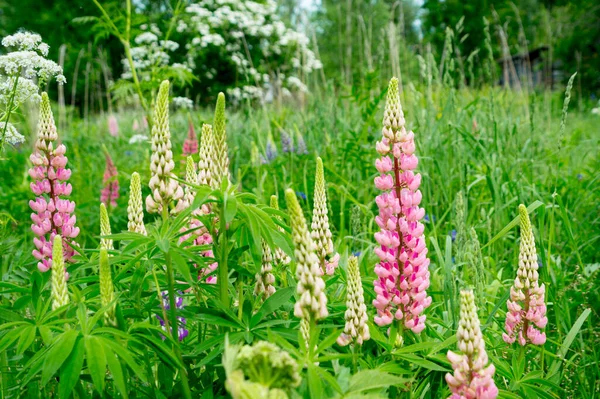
280, 256
110, 192
301, 195
207, 156
182, 332
271, 149
320, 232
312, 304
403, 275
135, 209
220, 169
52, 215
472, 378
264, 278
526, 306
286, 142
113, 125
107, 294
356, 328
190, 145
191, 179
201, 234
300, 144
105, 243
162, 183
60, 294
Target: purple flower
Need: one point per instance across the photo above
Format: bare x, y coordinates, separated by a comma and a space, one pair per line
301, 146
579, 176
178, 300
428, 218
356, 253
286, 142
182, 332
301, 195
453, 235
271, 151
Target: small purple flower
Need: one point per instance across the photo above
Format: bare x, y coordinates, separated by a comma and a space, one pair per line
428, 219
182, 332
540, 263
129, 153
301, 146
579, 176
178, 300
356, 253
286, 142
270, 151
301, 195
453, 235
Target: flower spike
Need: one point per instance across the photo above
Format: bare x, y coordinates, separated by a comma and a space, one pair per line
403, 275
107, 295
105, 243
165, 188
526, 307
321, 234
60, 294
135, 210
356, 328
312, 304
472, 378
53, 214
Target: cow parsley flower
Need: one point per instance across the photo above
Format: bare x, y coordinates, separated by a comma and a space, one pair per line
12, 137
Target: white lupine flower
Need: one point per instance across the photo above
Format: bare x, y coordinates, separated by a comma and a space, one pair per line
356, 328
265, 278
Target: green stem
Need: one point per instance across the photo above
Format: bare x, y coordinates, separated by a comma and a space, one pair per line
173, 312
9, 109
223, 269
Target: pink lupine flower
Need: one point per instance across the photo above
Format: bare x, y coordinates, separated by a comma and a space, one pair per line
110, 192
113, 125
473, 378
526, 307
52, 215
190, 145
403, 275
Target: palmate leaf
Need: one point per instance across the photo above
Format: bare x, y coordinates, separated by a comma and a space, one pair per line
57, 354
271, 304
71, 370
373, 379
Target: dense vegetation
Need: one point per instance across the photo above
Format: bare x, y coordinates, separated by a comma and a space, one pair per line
288, 235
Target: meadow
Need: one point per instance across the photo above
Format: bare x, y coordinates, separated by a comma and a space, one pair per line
261, 237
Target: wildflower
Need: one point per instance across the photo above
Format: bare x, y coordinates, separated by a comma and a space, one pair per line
265, 363
320, 232
526, 306
300, 144
162, 183
579, 175
135, 210
207, 156
271, 149
286, 142
138, 138
110, 192
220, 165
280, 256
60, 294
12, 136
107, 295
191, 179
312, 304
105, 243
264, 278
453, 235
182, 332
472, 378
356, 328
52, 215
190, 145
301, 195
113, 125
403, 275
183, 103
